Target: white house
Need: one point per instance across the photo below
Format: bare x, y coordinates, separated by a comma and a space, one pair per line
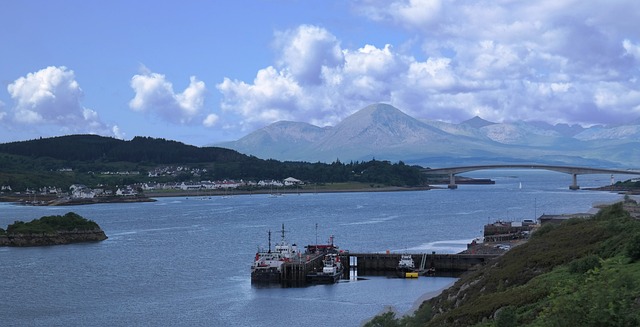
126, 192
292, 181
82, 193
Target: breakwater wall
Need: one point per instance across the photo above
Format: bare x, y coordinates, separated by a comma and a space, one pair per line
381, 263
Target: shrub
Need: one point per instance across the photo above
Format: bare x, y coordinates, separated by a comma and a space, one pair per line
506, 317
387, 319
49, 224
544, 229
633, 248
584, 264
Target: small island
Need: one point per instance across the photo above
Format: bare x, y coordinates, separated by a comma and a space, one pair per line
52, 230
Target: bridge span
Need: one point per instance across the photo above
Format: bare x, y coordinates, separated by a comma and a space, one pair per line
573, 171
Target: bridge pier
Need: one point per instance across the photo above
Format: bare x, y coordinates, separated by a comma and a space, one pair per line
574, 185
452, 182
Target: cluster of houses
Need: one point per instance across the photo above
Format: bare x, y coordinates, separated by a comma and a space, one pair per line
218, 185
175, 171
79, 191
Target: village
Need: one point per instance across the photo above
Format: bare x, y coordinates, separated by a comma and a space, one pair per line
81, 191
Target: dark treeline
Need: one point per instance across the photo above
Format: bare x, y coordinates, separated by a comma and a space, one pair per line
107, 149
37, 163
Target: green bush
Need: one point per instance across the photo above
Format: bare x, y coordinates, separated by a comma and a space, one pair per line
582, 265
49, 224
633, 248
387, 319
506, 317
544, 229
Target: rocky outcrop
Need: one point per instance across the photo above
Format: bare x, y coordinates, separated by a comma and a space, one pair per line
53, 238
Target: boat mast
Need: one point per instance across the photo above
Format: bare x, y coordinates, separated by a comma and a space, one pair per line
269, 241
283, 233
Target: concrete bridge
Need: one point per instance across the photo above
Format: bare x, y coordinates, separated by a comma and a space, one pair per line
574, 171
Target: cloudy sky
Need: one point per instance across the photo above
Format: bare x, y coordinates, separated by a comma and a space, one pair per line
202, 72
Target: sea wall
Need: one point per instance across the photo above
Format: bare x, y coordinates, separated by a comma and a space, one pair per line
56, 238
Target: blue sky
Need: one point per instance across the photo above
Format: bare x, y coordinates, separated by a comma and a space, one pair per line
202, 72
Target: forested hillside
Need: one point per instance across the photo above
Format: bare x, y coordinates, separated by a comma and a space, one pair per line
106, 149
87, 159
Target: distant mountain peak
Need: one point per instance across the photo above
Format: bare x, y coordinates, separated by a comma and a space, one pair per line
383, 131
477, 122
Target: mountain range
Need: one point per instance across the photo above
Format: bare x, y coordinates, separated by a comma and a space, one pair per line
383, 132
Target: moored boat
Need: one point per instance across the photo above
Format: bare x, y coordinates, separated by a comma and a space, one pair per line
267, 265
331, 271
406, 266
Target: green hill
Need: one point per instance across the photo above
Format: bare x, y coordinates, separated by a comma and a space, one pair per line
83, 159
107, 149
584, 272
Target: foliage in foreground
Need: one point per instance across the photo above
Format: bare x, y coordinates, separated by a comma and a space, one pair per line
49, 224
584, 272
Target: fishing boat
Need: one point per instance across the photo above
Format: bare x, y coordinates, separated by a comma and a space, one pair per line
331, 271
406, 266
406, 263
267, 265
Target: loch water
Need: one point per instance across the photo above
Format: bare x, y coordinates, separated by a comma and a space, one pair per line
186, 261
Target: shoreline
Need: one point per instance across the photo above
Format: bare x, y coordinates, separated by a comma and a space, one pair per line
427, 296
150, 196
416, 304
287, 192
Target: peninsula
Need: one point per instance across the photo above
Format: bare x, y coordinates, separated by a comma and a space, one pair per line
52, 230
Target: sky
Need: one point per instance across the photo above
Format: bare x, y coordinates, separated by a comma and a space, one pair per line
203, 72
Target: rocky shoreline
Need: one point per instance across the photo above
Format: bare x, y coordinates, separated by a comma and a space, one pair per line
55, 238
52, 230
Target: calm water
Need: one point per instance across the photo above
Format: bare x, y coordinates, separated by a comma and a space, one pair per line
185, 261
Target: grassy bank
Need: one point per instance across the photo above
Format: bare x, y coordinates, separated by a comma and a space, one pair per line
584, 272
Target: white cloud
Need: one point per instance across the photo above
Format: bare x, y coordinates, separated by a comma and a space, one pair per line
210, 120
117, 132
631, 49
272, 96
306, 50
2, 112
414, 14
156, 95
557, 61
52, 96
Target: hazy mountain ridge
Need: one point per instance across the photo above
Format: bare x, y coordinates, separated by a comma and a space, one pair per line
384, 132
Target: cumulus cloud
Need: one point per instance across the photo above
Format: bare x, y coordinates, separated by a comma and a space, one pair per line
413, 14
2, 112
155, 94
52, 97
305, 51
556, 61
210, 120
631, 49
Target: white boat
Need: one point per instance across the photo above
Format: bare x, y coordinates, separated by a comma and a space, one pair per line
406, 263
267, 264
331, 272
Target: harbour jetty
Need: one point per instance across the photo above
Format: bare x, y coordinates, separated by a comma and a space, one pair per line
296, 272
326, 263
290, 267
386, 263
